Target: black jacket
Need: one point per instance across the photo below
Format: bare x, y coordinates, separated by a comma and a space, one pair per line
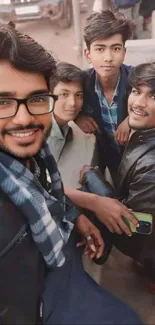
136, 189
22, 268
108, 156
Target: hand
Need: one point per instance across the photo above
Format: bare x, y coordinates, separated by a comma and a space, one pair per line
91, 237
110, 212
87, 124
84, 169
122, 132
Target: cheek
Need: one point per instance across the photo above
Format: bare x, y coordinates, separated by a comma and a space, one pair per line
59, 107
46, 120
4, 125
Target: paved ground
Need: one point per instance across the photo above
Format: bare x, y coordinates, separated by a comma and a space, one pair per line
61, 42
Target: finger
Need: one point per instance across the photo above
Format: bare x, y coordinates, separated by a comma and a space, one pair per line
117, 228
117, 136
88, 252
90, 128
100, 250
81, 243
91, 243
130, 217
95, 125
125, 228
110, 228
124, 138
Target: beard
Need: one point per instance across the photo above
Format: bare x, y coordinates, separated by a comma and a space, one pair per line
16, 155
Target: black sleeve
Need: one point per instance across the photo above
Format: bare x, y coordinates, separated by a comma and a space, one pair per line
141, 196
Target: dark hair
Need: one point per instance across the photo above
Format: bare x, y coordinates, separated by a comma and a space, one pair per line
143, 74
25, 54
104, 24
67, 72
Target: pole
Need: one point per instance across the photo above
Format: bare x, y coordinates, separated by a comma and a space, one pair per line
77, 29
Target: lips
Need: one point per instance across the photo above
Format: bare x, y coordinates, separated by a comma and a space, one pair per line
107, 67
24, 137
139, 112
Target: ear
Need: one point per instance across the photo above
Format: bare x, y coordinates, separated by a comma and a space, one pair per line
87, 55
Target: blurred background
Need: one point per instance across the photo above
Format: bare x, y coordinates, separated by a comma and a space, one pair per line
58, 24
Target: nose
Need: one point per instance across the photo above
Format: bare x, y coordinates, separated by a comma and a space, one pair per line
71, 100
108, 55
140, 101
23, 117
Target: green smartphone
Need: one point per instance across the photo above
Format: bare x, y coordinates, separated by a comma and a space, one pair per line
145, 223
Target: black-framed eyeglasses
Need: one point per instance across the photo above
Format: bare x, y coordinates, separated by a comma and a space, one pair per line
36, 105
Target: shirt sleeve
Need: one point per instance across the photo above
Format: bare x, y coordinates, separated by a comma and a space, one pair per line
141, 191
71, 210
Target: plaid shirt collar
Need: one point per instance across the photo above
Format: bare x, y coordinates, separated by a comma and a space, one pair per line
100, 92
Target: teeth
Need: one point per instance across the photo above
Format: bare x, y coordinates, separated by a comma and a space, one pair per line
22, 135
138, 112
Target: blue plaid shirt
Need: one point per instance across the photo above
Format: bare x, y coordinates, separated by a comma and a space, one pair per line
108, 112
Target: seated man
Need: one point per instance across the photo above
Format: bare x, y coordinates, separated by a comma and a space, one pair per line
42, 279
66, 139
135, 182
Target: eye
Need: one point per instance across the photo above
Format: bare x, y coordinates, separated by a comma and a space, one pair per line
38, 99
64, 95
99, 49
116, 49
135, 91
5, 101
153, 96
80, 96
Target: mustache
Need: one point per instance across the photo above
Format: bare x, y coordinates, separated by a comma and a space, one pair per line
22, 128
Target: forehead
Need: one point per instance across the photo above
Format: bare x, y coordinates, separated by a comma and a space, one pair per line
144, 88
110, 41
72, 87
18, 82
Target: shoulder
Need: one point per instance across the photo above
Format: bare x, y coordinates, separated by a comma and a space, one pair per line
146, 163
125, 69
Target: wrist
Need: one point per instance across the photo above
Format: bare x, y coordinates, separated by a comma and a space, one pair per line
94, 202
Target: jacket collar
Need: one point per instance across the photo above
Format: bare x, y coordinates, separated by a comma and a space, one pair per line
139, 144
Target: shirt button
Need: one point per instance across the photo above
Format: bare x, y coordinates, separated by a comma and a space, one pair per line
140, 138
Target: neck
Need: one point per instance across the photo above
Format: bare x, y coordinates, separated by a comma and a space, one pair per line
108, 83
60, 121
28, 164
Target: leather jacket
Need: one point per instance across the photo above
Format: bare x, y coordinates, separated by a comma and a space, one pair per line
136, 189
22, 268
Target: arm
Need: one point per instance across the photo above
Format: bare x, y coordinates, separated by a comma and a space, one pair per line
122, 133
108, 211
141, 196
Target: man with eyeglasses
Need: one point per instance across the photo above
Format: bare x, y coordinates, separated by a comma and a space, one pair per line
42, 280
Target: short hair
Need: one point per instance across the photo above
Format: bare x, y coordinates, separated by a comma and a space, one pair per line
25, 54
104, 24
143, 74
67, 72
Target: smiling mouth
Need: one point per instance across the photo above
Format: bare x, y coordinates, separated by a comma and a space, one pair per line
138, 112
23, 135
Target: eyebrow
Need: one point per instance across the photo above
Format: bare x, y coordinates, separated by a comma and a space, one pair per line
33, 93
112, 45
68, 91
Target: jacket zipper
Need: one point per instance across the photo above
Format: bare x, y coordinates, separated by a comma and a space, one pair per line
14, 242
